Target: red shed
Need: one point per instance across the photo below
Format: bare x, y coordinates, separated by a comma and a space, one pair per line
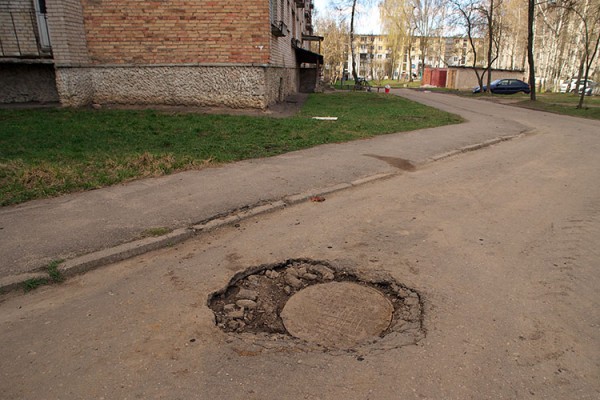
435, 77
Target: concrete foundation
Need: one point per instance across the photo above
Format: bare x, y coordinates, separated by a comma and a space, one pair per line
27, 83
229, 86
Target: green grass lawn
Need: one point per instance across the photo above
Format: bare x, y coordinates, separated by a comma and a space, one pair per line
47, 152
558, 103
563, 103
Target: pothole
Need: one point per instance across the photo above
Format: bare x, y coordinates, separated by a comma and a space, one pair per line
312, 304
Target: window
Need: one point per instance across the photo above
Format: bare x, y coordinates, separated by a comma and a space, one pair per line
279, 18
40, 13
273, 10
277, 10
42, 6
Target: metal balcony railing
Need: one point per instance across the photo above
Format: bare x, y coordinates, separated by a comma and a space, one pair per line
24, 34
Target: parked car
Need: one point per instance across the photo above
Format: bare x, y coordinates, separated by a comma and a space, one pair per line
505, 86
570, 85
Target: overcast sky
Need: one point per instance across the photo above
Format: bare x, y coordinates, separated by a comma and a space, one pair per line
367, 20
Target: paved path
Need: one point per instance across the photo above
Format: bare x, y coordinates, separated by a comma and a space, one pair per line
35, 233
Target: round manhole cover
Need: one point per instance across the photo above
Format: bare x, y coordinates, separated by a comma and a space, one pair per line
337, 314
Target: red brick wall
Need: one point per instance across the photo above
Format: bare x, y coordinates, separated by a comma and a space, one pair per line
177, 31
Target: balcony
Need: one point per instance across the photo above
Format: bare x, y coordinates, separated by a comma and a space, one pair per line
24, 35
279, 29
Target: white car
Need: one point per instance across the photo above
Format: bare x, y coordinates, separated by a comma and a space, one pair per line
569, 86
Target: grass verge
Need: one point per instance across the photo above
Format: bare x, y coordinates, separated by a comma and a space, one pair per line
54, 276
565, 104
557, 103
48, 152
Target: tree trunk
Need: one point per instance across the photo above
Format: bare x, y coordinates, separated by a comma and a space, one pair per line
409, 63
490, 45
352, 55
530, 19
588, 65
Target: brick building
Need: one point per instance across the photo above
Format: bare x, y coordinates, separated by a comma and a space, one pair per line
190, 52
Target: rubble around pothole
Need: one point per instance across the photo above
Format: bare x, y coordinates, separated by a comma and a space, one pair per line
253, 300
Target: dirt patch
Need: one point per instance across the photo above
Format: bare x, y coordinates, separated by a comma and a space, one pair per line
250, 306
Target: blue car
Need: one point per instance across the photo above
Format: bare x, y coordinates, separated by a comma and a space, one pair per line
505, 86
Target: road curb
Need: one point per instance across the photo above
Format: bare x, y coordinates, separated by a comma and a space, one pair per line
478, 146
124, 251
91, 261
15, 282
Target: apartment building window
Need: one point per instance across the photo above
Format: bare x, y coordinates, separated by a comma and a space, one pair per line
277, 10
279, 17
40, 14
273, 10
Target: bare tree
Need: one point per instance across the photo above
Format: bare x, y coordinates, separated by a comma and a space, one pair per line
471, 19
353, 7
490, 12
530, 39
397, 20
589, 13
334, 47
567, 41
480, 19
428, 20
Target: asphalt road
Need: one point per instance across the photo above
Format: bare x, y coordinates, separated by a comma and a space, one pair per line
501, 244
